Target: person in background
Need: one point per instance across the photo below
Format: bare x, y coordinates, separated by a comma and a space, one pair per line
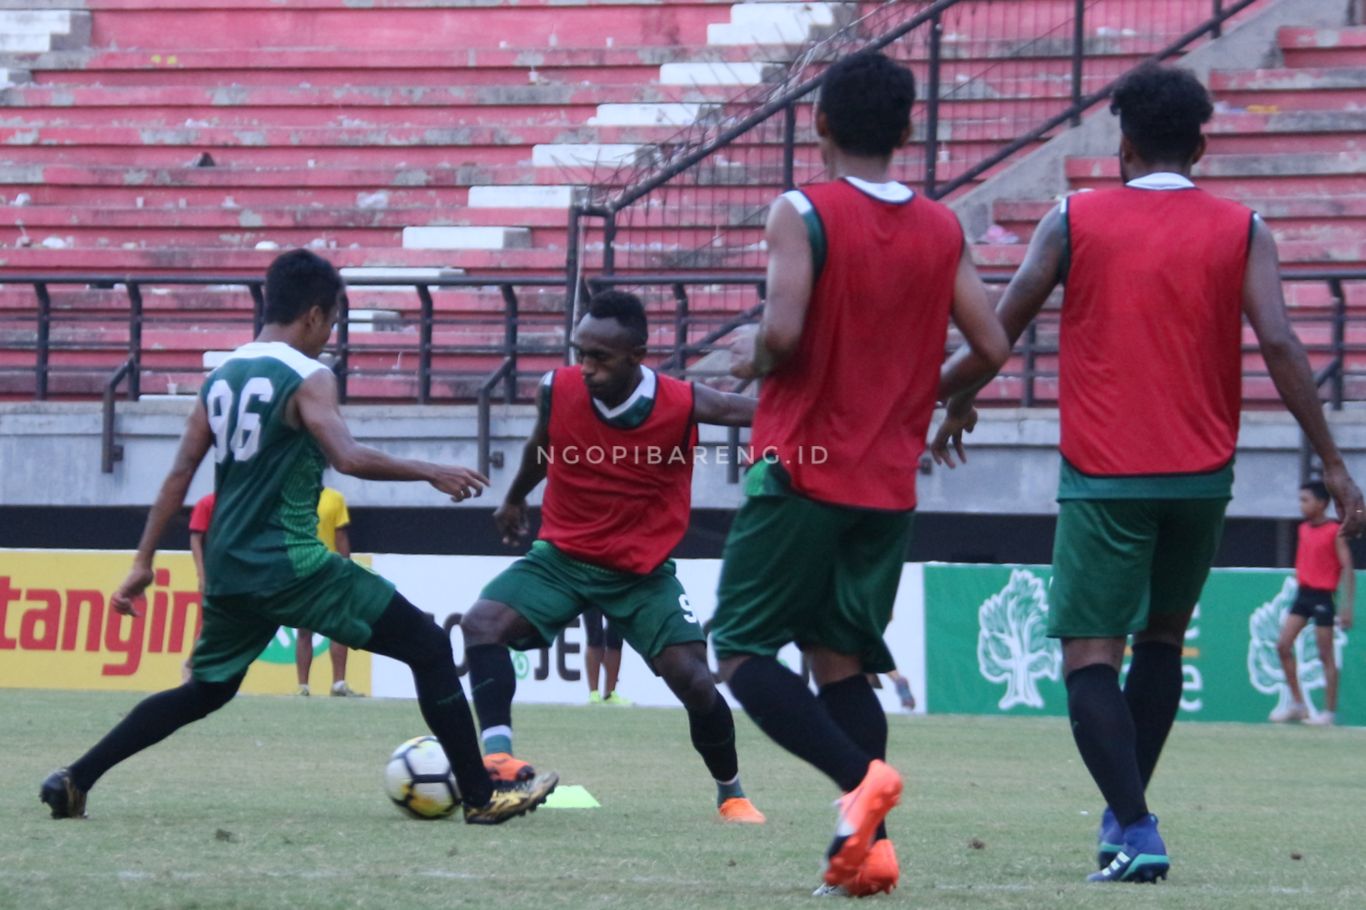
333, 522
602, 659
200, 516
1323, 567
903, 689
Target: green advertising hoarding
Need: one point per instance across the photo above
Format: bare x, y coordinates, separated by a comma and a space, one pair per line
987, 652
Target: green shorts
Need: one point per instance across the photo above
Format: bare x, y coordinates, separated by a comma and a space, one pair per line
342, 601
798, 570
549, 590
1116, 562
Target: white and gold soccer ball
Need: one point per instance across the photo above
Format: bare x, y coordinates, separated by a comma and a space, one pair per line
418, 779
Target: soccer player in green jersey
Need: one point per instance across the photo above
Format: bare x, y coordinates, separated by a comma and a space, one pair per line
270, 416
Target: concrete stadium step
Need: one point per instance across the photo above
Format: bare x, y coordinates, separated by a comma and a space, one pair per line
332, 67
1323, 47
202, 99
234, 303
1342, 88
418, 24
254, 262
773, 23
274, 186
272, 218
38, 31
152, 235
327, 68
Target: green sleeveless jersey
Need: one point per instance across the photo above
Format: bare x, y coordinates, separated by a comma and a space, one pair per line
268, 475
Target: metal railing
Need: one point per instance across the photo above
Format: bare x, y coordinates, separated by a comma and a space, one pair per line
1014, 73
692, 313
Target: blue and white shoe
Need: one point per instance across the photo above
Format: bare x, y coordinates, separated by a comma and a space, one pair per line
1142, 856
1109, 840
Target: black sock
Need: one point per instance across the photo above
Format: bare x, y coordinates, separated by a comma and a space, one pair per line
493, 683
1153, 691
853, 705
152, 720
713, 736
1104, 731
784, 708
405, 633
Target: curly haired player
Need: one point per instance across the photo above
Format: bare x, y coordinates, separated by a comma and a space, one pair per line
1159, 275
614, 443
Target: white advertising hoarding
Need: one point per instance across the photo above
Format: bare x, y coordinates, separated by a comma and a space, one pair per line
447, 586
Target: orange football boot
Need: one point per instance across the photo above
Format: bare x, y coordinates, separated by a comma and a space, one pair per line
861, 810
740, 811
880, 872
506, 772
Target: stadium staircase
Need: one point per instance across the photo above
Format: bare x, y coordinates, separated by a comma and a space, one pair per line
423, 139
1288, 140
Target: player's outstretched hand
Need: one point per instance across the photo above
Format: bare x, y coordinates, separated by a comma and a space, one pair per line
1347, 496
513, 522
137, 581
459, 483
950, 433
1345, 622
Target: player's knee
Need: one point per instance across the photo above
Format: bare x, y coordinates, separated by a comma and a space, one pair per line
210, 696
431, 645
482, 625
694, 686
1285, 648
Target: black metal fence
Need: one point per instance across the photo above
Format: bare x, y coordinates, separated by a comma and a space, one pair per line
996, 78
477, 340
430, 352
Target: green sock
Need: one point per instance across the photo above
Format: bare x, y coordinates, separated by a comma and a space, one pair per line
497, 742
729, 790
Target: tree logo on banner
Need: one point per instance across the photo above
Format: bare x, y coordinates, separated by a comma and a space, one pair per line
1264, 665
1012, 642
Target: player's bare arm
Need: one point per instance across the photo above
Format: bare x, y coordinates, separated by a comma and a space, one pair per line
726, 409
512, 518
791, 275
194, 444
1264, 306
315, 407
967, 371
1347, 588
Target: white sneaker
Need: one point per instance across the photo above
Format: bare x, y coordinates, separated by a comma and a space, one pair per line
1323, 719
831, 891
1291, 713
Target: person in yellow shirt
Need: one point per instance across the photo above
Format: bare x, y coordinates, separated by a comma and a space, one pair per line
333, 521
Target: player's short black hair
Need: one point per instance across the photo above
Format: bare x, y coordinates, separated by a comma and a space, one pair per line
1317, 489
626, 309
1161, 110
866, 99
296, 281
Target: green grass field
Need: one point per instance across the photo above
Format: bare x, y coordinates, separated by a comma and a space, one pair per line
277, 802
